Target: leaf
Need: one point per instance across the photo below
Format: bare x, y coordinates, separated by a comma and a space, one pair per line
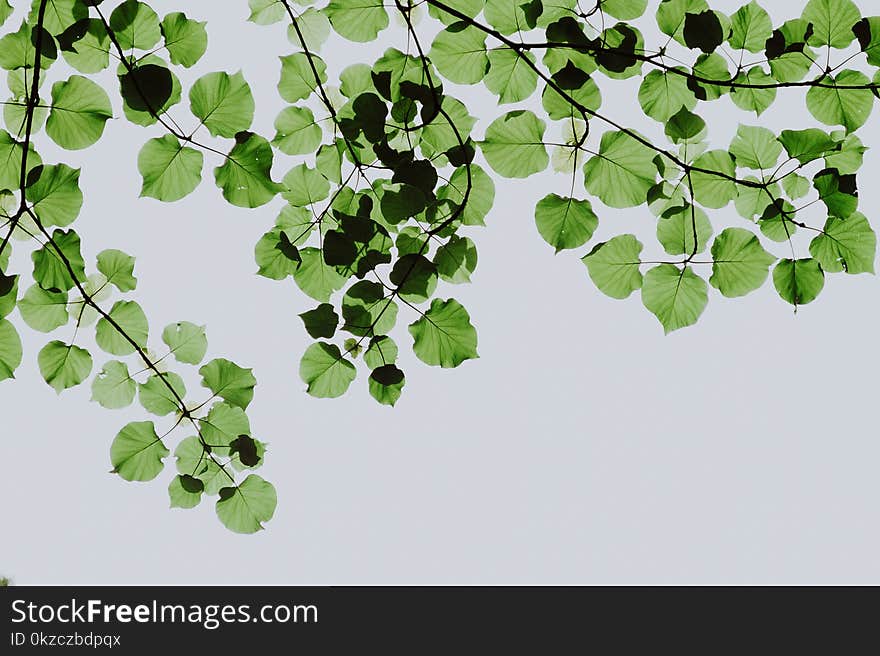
623, 171
798, 281
703, 30
314, 26
118, 268
186, 40
867, 30
50, 271
755, 147
243, 509
42, 310
357, 20
677, 297
298, 77
170, 171
222, 427
514, 145
444, 336
847, 107
459, 53
132, 323
614, 266
624, 9
315, 278
751, 27
754, 99
11, 153
740, 264
136, 25
832, 22
806, 145
305, 186
671, 16
85, 45
64, 365
230, 382
80, 108
456, 260
326, 372
137, 452
10, 350
675, 230
113, 387
266, 12
223, 103
664, 94
185, 491
245, 177
565, 222
509, 77
386, 384
55, 194
155, 396
710, 189
187, 341
296, 132
366, 311
846, 245
321, 322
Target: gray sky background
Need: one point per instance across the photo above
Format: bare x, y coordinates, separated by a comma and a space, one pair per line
582, 447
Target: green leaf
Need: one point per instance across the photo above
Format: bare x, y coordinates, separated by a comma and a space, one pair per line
6, 11
677, 297
245, 177
357, 20
510, 77
113, 387
297, 77
187, 341
10, 350
614, 266
740, 264
136, 25
798, 281
754, 99
366, 311
806, 145
755, 147
296, 132
118, 268
321, 322
314, 26
230, 382
514, 145
223, 103
129, 316
847, 107
481, 197
64, 365
55, 195
186, 40
710, 189
565, 222
80, 108
86, 46
223, 425
266, 12
459, 53
50, 271
148, 90
623, 171
671, 16
386, 384
137, 452
868, 32
305, 186
8, 293
185, 491
11, 152
444, 336
456, 260
59, 14
315, 278
685, 126
326, 372
663, 94
846, 245
751, 27
675, 230
243, 509
624, 9
42, 310
155, 396
170, 170
832, 22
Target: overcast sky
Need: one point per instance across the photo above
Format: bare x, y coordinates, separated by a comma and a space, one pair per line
583, 446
